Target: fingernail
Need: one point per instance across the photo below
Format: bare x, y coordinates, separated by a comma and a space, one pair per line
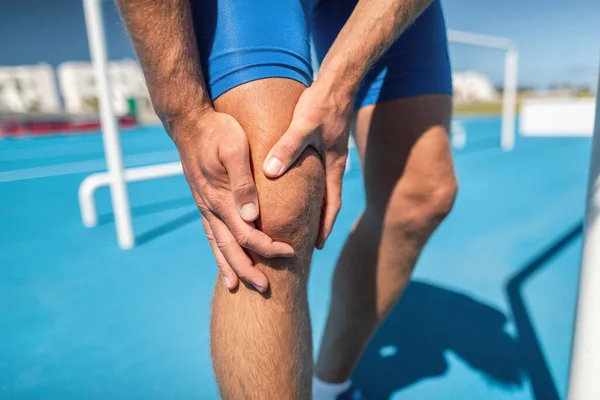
227, 282
320, 244
260, 289
274, 166
290, 252
249, 211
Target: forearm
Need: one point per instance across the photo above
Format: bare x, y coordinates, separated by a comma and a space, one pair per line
371, 29
163, 37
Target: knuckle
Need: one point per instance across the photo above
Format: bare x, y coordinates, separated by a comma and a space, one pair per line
222, 266
289, 148
215, 204
304, 123
202, 190
242, 238
210, 236
230, 150
223, 245
243, 186
203, 208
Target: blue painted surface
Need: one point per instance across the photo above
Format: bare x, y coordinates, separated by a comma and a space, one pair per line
488, 316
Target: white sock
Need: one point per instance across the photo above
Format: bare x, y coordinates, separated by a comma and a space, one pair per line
328, 391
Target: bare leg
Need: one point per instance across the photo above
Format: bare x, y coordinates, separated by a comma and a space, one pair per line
261, 344
410, 185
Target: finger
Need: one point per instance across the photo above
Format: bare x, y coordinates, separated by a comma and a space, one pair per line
247, 236
333, 199
287, 150
235, 157
236, 257
229, 275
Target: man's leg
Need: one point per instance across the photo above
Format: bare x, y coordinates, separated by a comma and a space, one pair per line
261, 344
410, 185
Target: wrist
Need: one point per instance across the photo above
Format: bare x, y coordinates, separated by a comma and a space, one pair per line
339, 75
182, 123
176, 107
334, 91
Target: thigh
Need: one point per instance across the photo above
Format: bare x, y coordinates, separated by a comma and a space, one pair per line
241, 41
404, 106
404, 147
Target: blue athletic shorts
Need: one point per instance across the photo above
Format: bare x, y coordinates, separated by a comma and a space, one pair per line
242, 40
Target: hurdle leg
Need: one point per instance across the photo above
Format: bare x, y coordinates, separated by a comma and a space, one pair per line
108, 120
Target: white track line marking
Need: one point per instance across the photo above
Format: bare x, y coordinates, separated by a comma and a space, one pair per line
82, 166
32, 154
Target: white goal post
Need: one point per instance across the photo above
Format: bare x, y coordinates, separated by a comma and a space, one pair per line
117, 177
511, 67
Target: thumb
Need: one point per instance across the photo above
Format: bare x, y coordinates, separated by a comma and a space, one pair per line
236, 160
286, 151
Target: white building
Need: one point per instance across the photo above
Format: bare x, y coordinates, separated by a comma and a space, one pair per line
471, 86
78, 87
28, 88
33, 89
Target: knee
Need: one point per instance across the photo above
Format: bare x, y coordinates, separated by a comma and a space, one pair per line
290, 206
418, 209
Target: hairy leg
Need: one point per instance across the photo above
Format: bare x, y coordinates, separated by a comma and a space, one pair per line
261, 344
410, 185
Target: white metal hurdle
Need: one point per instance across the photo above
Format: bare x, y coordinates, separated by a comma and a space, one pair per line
584, 379
110, 133
117, 177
